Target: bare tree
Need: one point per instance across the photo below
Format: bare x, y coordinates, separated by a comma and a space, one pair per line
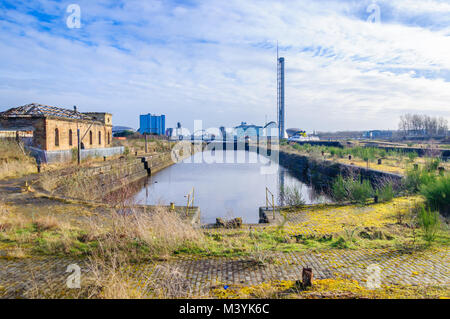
423, 125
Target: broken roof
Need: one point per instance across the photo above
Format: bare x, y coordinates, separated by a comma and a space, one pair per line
39, 110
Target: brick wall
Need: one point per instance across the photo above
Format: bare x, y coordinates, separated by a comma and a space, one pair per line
46, 129
89, 134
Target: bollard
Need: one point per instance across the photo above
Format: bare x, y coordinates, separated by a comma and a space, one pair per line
307, 277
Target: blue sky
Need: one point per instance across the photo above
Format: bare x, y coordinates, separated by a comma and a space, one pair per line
214, 60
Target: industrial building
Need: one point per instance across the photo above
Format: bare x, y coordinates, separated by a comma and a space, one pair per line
377, 134
152, 124
270, 129
50, 133
248, 130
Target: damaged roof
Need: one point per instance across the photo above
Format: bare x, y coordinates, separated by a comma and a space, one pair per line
39, 110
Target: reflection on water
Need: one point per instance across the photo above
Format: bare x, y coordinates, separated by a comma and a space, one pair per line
221, 189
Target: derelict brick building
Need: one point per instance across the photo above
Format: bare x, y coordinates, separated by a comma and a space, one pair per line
54, 131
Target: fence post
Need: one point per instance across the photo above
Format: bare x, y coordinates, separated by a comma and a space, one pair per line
273, 207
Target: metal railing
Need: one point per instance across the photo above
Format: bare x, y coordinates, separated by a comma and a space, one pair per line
268, 198
190, 200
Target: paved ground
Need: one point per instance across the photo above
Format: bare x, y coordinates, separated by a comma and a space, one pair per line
198, 276
18, 277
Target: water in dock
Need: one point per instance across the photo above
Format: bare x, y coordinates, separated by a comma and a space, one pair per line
225, 190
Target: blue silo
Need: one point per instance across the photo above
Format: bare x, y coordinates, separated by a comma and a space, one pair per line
152, 124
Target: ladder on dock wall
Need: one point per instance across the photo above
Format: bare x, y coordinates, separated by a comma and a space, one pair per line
270, 199
190, 201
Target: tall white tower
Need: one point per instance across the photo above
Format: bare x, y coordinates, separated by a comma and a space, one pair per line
280, 96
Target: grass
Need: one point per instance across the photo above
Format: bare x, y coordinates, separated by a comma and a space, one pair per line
138, 145
162, 234
396, 162
14, 162
114, 241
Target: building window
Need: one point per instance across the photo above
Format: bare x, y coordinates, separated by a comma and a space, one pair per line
70, 138
56, 137
90, 137
99, 138
109, 138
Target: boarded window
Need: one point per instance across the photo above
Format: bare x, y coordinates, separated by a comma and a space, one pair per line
70, 138
56, 137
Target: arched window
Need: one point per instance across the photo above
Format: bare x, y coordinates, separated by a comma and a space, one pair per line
99, 138
70, 138
56, 137
109, 138
90, 137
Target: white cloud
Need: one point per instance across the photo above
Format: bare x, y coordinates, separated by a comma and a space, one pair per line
214, 62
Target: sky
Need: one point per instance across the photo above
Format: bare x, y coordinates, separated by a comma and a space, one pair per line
350, 65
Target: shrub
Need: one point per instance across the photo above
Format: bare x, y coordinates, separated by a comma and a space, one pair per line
415, 179
338, 190
412, 156
293, 196
351, 189
385, 193
429, 222
360, 192
432, 164
437, 194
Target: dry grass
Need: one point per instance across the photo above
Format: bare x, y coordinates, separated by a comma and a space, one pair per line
134, 238
157, 232
47, 222
138, 145
14, 162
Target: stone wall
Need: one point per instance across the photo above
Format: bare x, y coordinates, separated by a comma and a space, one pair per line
50, 157
320, 174
93, 183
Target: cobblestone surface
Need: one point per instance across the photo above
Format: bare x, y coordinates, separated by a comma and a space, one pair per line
200, 275
18, 277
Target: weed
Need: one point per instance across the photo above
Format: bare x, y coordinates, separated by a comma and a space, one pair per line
429, 222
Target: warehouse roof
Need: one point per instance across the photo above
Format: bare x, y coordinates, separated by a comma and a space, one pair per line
39, 110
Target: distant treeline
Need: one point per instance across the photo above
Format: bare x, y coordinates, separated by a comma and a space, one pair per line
414, 126
422, 125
